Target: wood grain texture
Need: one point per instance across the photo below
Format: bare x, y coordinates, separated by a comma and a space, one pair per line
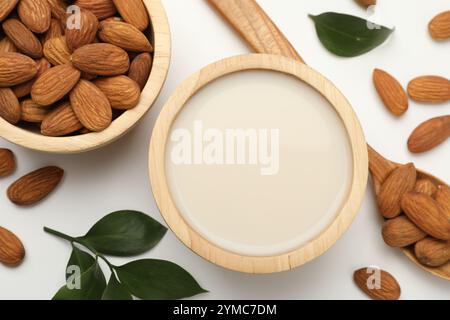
174, 218
126, 121
255, 27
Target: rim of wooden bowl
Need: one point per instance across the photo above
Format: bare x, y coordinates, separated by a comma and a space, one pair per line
123, 124
212, 252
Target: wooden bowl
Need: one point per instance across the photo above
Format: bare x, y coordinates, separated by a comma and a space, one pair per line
124, 123
214, 253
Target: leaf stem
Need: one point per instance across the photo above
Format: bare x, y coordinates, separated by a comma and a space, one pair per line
59, 234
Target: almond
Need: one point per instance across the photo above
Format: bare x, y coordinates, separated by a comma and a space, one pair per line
16, 68
122, 92
7, 162
140, 69
426, 213
35, 186
432, 253
35, 14
6, 7
24, 89
58, 9
6, 45
54, 84
391, 92
367, 3
399, 182
54, 31
32, 112
133, 12
425, 186
377, 284
101, 8
12, 251
61, 121
401, 232
9, 106
432, 89
84, 34
102, 59
56, 51
23, 38
439, 27
125, 36
443, 198
429, 134
91, 106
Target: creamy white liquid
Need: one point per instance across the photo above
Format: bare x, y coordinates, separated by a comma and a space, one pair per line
235, 206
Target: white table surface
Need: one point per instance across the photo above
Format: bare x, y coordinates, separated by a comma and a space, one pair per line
115, 177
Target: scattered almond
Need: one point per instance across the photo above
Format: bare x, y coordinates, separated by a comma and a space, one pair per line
12, 251
432, 89
391, 92
35, 186
35, 14
9, 106
443, 199
367, 3
122, 92
33, 112
425, 186
140, 69
399, 182
125, 36
429, 134
84, 34
7, 162
23, 38
16, 68
426, 213
101, 8
401, 232
61, 121
377, 284
54, 84
133, 12
439, 27
432, 253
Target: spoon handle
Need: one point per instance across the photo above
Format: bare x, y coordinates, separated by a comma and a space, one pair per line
255, 26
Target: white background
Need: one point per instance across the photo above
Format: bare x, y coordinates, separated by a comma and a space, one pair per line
115, 177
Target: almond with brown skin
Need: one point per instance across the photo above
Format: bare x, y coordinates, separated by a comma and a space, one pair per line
9, 106
35, 186
427, 214
101, 8
377, 284
33, 112
23, 38
401, 232
6, 7
425, 186
56, 51
429, 134
6, 45
54, 31
77, 37
399, 182
58, 9
432, 253
367, 3
140, 69
91, 106
439, 26
102, 59
391, 92
432, 89
24, 89
125, 36
443, 198
122, 92
133, 12
12, 251
54, 84
16, 68
7, 162
35, 14
61, 121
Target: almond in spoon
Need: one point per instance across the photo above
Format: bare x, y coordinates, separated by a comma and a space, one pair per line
9, 106
432, 253
401, 232
35, 14
23, 38
425, 186
133, 12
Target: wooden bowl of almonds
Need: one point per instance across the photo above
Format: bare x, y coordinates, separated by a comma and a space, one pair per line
77, 75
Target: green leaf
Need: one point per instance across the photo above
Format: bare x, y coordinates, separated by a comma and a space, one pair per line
124, 233
115, 290
80, 259
157, 280
92, 284
348, 36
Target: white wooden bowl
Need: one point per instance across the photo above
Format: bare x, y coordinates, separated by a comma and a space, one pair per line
124, 123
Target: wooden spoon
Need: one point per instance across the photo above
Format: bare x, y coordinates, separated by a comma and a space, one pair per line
429, 134
259, 31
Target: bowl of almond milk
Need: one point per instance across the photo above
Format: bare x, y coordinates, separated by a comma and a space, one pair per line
258, 163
